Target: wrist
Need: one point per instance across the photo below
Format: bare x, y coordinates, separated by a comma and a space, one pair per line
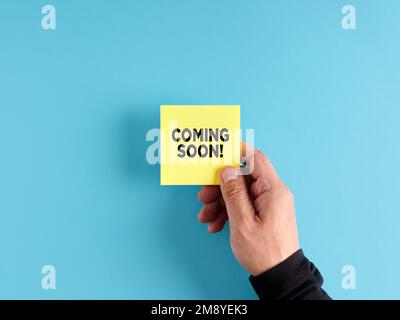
273, 260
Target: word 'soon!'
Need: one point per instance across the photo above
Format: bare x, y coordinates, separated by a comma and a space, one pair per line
197, 142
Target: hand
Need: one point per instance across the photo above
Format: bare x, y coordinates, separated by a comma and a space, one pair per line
261, 214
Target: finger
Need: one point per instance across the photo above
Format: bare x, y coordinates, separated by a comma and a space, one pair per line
209, 193
236, 196
219, 223
209, 212
260, 164
259, 186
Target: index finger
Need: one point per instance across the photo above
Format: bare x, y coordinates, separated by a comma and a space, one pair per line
208, 194
260, 165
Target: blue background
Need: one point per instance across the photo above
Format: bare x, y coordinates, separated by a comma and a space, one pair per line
76, 103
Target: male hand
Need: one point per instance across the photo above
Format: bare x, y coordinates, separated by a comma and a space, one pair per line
261, 214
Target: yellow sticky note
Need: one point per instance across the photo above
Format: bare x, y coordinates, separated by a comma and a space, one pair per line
197, 141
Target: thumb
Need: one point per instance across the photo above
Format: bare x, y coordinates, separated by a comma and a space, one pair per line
236, 196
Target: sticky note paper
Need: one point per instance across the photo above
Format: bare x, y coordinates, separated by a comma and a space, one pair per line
197, 141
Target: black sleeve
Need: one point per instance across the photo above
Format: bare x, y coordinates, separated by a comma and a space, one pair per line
296, 278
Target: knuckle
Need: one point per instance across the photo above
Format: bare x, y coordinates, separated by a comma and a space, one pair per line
260, 155
233, 192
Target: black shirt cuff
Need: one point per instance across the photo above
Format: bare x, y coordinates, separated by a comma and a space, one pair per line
294, 278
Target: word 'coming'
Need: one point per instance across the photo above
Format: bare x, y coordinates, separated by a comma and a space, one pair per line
210, 147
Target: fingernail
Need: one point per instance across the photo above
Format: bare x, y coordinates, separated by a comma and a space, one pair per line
228, 174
